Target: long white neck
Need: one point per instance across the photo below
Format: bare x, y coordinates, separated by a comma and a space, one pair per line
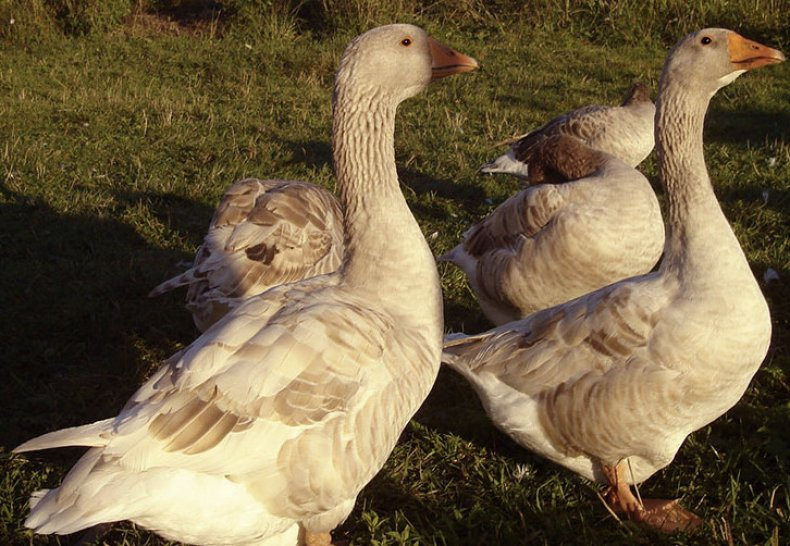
386, 252
699, 238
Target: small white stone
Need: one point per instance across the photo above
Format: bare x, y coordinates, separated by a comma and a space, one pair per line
433, 236
521, 472
772, 162
12, 21
770, 276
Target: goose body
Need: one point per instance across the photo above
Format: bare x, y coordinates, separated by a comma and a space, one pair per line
610, 384
624, 131
264, 233
587, 220
264, 430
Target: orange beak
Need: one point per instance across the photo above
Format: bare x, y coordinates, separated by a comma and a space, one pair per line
447, 61
747, 55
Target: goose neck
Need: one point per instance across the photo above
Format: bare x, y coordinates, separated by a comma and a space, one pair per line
694, 218
680, 115
384, 244
364, 154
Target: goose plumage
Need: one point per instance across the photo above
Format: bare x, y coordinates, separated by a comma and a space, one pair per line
588, 220
264, 430
264, 233
610, 384
624, 131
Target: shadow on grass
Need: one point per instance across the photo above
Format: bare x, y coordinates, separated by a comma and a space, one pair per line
464, 316
741, 126
453, 499
187, 217
467, 522
777, 199
312, 153
445, 208
423, 184
79, 334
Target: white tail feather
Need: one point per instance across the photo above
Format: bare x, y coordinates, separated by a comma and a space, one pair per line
86, 435
507, 164
187, 277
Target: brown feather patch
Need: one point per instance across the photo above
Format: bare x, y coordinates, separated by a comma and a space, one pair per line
262, 252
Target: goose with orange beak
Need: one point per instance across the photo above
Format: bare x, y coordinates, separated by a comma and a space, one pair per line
265, 429
610, 384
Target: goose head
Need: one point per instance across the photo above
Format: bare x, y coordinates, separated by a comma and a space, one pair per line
638, 92
711, 58
398, 61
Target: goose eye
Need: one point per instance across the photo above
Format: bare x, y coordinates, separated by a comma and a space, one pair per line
705, 40
406, 42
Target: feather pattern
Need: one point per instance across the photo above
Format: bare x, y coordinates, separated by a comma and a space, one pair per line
264, 233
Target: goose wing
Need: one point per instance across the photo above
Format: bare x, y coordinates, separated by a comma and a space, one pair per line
264, 233
267, 397
590, 366
585, 123
522, 215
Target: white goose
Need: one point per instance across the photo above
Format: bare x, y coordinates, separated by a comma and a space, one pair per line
552, 242
264, 233
266, 428
624, 131
610, 384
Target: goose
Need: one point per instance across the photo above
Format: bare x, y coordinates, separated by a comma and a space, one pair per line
625, 131
265, 429
610, 384
264, 233
587, 220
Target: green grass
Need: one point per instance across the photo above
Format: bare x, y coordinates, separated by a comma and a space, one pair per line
118, 140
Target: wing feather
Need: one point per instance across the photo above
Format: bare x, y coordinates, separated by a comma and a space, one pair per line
264, 233
558, 344
587, 364
228, 390
522, 215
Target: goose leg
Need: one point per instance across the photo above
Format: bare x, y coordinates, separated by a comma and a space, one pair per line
619, 495
317, 539
665, 515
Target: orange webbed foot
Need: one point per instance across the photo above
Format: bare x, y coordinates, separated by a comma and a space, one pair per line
665, 515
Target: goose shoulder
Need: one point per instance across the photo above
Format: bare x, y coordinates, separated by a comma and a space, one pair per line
268, 375
522, 215
553, 347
